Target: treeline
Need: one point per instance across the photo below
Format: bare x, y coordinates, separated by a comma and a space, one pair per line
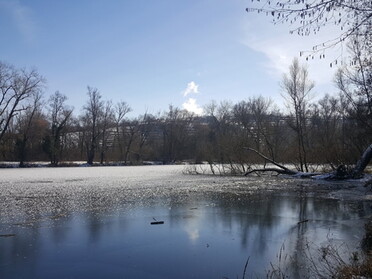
333, 130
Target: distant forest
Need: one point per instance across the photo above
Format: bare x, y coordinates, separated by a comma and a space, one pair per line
332, 130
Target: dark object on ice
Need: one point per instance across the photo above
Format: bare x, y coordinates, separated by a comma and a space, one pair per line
157, 223
7, 235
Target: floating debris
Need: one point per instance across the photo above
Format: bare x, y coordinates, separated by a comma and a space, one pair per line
7, 235
156, 222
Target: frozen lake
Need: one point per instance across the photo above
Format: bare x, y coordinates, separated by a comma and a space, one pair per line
96, 223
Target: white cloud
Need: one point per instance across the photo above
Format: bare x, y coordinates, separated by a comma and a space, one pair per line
279, 47
192, 106
192, 88
21, 16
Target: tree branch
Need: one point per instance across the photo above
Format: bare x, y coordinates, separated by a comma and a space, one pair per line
282, 169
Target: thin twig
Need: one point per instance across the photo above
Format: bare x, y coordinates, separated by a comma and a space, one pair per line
245, 267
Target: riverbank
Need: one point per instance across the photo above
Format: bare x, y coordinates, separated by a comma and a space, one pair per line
6, 165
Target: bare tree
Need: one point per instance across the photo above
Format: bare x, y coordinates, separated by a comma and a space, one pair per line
175, 127
59, 114
16, 86
136, 134
354, 18
326, 132
228, 132
27, 126
146, 126
121, 109
130, 130
296, 87
355, 84
105, 125
91, 119
252, 117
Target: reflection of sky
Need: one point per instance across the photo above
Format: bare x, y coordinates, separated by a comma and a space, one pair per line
192, 224
193, 232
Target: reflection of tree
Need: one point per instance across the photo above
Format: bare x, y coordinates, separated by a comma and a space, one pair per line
41, 221
258, 213
299, 233
266, 222
96, 225
318, 219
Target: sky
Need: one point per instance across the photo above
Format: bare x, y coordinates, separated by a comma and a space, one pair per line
152, 54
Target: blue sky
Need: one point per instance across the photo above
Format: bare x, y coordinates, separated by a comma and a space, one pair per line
154, 53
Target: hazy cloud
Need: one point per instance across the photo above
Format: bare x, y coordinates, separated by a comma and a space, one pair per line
22, 17
192, 88
280, 48
192, 106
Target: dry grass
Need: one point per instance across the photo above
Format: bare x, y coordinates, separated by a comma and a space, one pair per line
359, 269
330, 261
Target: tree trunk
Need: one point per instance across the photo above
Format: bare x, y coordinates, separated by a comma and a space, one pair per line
22, 151
90, 153
282, 169
362, 163
340, 174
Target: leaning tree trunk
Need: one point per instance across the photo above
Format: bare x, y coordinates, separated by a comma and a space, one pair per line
281, 169
340, 173
362, 163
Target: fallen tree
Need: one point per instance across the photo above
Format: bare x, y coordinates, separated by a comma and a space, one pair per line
342, 172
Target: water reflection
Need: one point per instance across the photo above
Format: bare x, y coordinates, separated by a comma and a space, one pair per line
205, 235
